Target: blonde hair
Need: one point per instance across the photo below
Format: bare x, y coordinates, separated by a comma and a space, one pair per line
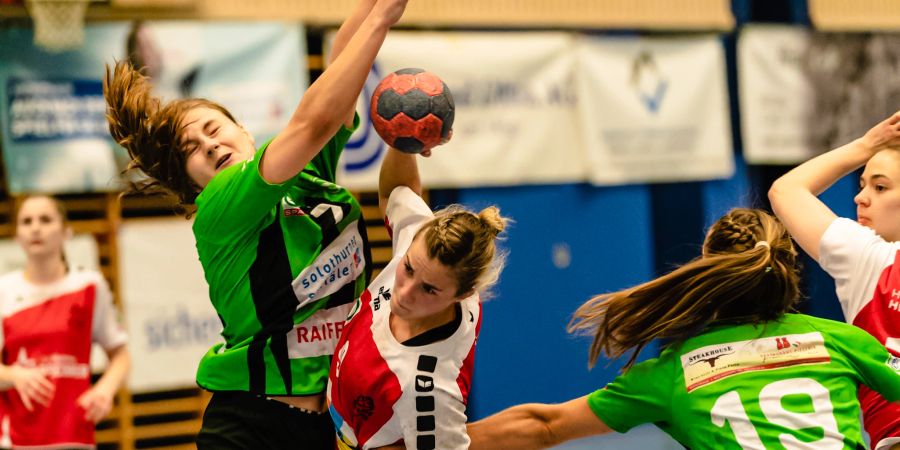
151, 132
466, 243
737, 280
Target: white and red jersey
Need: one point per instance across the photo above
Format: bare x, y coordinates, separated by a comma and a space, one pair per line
384, 392
867, 277
51, 327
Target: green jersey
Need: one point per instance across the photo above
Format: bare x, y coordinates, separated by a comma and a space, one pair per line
284, 263
787, 384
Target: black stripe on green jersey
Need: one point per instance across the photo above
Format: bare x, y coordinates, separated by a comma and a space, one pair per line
275, 303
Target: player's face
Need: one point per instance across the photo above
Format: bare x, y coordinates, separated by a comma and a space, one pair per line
212, 142
40, 228
424, 288
878, 200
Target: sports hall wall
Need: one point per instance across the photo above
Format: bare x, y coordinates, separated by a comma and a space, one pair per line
576, 233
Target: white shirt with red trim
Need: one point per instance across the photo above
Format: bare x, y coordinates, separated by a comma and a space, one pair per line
867, 280
382, 392
52, 327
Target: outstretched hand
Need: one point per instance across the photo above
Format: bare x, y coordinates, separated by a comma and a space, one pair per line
884, 135
96, 404
33, 386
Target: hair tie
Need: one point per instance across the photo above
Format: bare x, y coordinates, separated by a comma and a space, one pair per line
761, 244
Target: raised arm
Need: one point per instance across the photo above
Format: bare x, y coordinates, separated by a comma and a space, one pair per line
345, 32
536, 426
397, 169
794, 196
326, 103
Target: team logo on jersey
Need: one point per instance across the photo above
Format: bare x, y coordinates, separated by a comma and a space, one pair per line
894, 363
363, 407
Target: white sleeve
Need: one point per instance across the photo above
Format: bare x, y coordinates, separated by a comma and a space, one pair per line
443, 427
855, 257
405, 212
106, 328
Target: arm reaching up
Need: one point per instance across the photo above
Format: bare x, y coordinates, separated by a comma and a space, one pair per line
328, 101
794, 195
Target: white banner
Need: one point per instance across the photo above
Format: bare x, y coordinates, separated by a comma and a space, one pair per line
654, 109
516, 113
169, 318
776, 97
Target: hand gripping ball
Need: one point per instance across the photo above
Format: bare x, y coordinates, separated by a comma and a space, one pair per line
412, 110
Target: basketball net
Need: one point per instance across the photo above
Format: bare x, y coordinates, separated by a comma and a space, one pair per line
58, 24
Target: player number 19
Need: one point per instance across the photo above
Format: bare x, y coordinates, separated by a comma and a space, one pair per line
729, 409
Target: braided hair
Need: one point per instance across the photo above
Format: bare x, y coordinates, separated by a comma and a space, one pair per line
465, 242
748, 274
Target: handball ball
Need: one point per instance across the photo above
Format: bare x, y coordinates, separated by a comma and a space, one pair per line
412, 110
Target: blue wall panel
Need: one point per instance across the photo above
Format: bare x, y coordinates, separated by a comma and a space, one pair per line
569, 242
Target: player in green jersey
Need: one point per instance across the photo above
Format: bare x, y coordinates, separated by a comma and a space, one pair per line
283, 247
739, 372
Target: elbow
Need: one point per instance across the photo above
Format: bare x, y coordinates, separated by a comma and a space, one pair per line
776, 192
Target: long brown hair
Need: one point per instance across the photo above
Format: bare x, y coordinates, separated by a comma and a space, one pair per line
748, 274
466, 243
151, 132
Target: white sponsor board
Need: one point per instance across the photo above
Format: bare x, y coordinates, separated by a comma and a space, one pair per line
776, 97
654, 109
169, 318
516, 115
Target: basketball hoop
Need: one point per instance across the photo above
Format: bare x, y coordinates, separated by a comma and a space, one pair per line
58, 24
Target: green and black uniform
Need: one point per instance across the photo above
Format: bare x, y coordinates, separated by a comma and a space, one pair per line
284, 263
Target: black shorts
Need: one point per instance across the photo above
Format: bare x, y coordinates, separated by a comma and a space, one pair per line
241, 420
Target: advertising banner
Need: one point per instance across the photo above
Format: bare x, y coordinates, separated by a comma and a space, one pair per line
776, 95
55, 138
654, 109
516, 112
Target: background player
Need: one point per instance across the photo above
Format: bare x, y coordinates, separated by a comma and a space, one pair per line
51, 314
860, 255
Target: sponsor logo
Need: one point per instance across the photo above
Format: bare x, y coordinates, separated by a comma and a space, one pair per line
647, 81
340, 263
289, 212
181, 329
782, 343
382, 293
55, 365
710, 356
713, 363
319, 332
318, 335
